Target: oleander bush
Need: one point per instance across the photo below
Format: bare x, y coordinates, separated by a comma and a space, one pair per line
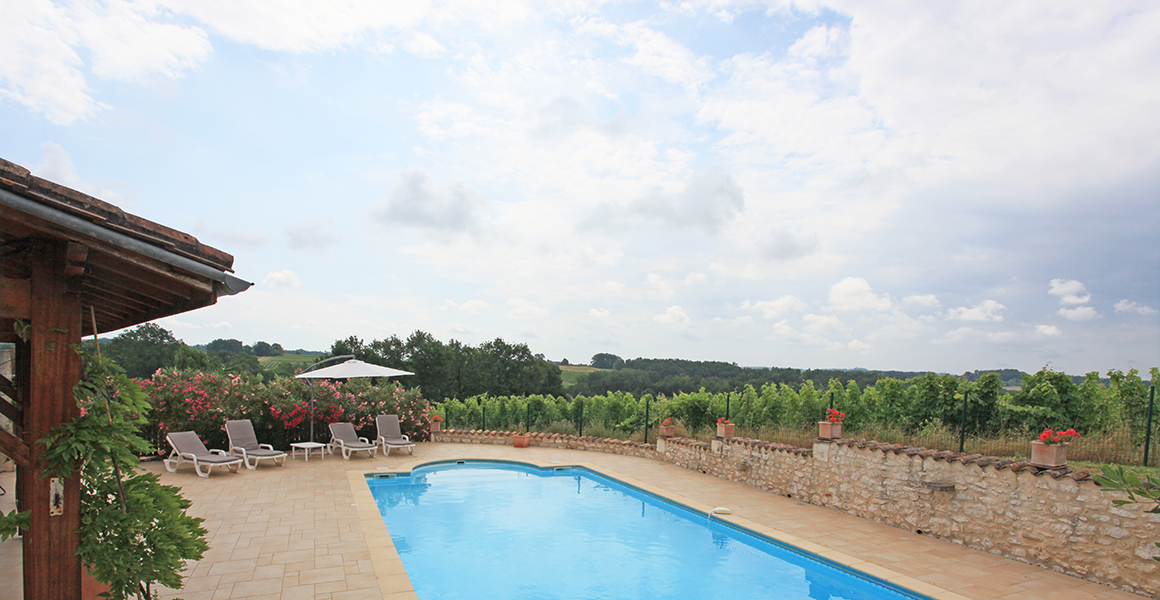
279, 409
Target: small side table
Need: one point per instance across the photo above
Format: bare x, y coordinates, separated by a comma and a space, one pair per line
308, 447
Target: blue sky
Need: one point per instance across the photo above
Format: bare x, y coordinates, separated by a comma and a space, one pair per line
820, 184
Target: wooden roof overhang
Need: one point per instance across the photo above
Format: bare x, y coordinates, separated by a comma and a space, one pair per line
66, 260
129, 270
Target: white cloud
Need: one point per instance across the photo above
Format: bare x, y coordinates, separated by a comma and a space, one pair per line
423, 45
1048, 330
783, 245
988, 310
415, 201
282, 279
42, 45
695, 279
674, 315
1069, 291
928, 300
819, 324
773, 309
1132, 307
784, 332
663, 57
316, 233
959, 335
522, 309
708, 201
854, 293
471, 307
1079, 313
860, 347
598, 313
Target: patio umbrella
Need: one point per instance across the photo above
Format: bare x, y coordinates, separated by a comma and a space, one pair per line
347, 370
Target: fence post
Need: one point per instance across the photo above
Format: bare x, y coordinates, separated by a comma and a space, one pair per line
581, 418
1148, 426
728, 396
528, 418
831, 399
483, 416
963, 423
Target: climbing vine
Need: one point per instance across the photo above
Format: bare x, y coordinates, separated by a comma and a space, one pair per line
134, 531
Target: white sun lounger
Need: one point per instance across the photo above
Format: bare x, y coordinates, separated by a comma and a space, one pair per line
390, 436
244, 443
344, 437
188, 447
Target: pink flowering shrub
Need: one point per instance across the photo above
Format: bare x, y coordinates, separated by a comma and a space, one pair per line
278, 409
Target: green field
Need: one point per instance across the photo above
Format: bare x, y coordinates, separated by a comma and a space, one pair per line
571, 373
297, 360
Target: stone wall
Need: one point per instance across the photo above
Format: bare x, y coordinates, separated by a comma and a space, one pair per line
550, 440
1055, 518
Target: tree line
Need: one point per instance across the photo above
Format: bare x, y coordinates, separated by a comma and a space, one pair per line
458, 370
441, 370
670, 376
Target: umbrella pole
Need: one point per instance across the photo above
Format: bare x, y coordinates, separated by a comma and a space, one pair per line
312, 411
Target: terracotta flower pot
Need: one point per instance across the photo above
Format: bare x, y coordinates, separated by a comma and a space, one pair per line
725, 430
1047, 456
668, 430
829, 430
90, 587
521, 440
435, 426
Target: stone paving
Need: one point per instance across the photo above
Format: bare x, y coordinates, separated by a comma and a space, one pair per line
308, 531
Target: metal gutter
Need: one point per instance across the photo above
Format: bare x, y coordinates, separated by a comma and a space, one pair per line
224, 283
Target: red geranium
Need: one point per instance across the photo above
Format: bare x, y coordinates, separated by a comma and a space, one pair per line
1051, 438
833, 416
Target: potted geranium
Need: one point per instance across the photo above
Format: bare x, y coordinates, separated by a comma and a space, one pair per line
436, 422
831, 428
667, 429
1050, 452
724, 428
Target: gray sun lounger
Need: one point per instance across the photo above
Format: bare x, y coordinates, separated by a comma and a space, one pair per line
343, 437
390, 436
188, 447
244, 443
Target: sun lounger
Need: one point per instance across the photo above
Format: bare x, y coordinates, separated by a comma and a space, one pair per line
244, 443
343, 437
390, 436
188, 447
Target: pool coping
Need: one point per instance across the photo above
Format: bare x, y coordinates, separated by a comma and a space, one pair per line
394, 582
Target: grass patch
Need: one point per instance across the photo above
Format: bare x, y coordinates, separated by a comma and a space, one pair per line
296, 360
571, 373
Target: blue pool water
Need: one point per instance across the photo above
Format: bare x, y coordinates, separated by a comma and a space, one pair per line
484, 530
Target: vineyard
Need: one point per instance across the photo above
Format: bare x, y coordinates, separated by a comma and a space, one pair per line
933, 411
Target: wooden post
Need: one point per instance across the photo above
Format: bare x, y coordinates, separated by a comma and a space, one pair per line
52, 570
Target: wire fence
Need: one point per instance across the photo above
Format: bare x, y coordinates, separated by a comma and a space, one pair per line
1123, 446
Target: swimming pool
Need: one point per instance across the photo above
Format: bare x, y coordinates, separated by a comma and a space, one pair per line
482, 530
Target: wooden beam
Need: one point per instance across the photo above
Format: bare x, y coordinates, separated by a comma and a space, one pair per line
75, 259
14, 448
8, 407
52, 570
9, 390
15, 298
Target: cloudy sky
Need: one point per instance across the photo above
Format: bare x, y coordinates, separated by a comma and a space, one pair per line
922, 185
